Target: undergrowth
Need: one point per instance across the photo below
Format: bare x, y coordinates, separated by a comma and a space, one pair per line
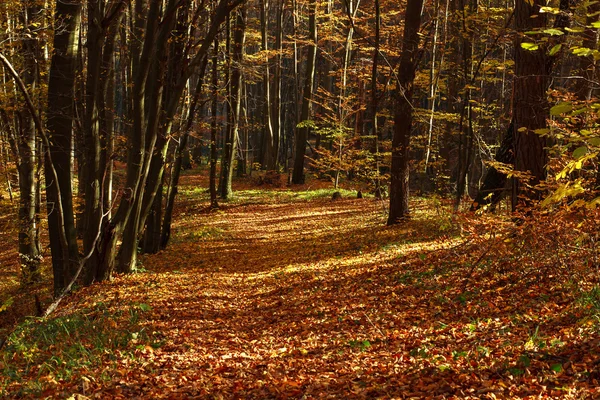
69, 346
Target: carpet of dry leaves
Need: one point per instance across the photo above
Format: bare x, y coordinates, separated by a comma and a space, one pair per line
277, 296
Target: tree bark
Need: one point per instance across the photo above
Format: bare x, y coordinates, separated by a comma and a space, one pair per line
29, 252
399, 189
231, 142
302, 133
213, 126
67, 16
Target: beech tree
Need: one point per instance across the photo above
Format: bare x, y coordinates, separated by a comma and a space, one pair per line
307, 94
400, 170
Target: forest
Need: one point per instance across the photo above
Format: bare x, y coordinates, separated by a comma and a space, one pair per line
299, 199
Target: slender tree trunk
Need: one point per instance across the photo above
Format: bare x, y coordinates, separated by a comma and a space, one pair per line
267, 158
176, 169
213, 126
231, 142
465, 148
276, 111
375, 101
302, 133
399, 189
28, 245
151, 238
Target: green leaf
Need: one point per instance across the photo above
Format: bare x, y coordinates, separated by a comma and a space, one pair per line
144, 307
541, 131
596, 24
561, 108
529, 46
595, 141
306, 124
6, 304
582, 51
555, 49
556, 367
516, 371
554, 32
580, 152
525, 360
550, 10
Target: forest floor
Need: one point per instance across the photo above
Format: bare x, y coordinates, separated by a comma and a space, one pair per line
288, 294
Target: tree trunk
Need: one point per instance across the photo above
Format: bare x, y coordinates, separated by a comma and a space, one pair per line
213, 126
302, 133
231, 142
490, 192
28, 245
268, 159
276, 111
399, 189
59, 122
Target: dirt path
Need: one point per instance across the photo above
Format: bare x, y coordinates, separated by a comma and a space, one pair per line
260, 309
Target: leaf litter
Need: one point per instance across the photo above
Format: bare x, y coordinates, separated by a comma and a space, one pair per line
289, 297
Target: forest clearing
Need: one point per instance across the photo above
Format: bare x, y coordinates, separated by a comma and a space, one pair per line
289, 294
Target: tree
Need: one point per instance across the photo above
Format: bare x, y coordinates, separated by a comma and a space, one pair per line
302, 131
213, 125
235, 97
61, 221
21, 131
399, 188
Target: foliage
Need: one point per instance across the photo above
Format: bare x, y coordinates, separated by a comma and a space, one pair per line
574, 166
357, 163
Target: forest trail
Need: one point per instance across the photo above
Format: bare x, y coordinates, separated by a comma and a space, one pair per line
278, 295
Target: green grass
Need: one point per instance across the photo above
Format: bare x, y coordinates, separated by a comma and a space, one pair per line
268, 196
66, 346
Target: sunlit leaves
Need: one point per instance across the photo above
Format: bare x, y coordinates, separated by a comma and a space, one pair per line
561, 108
553, 32
530, 46
555, 49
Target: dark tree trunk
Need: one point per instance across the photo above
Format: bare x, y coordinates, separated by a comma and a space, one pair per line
530, 99
302, 133
277, 78
59, 124
399, 190
231, 141
268, 159
521, 146
465, 134
530, 103
151, 238
179, 157
213, 126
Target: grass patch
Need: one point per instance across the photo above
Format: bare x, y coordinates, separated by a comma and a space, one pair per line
39, 353
279, 196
